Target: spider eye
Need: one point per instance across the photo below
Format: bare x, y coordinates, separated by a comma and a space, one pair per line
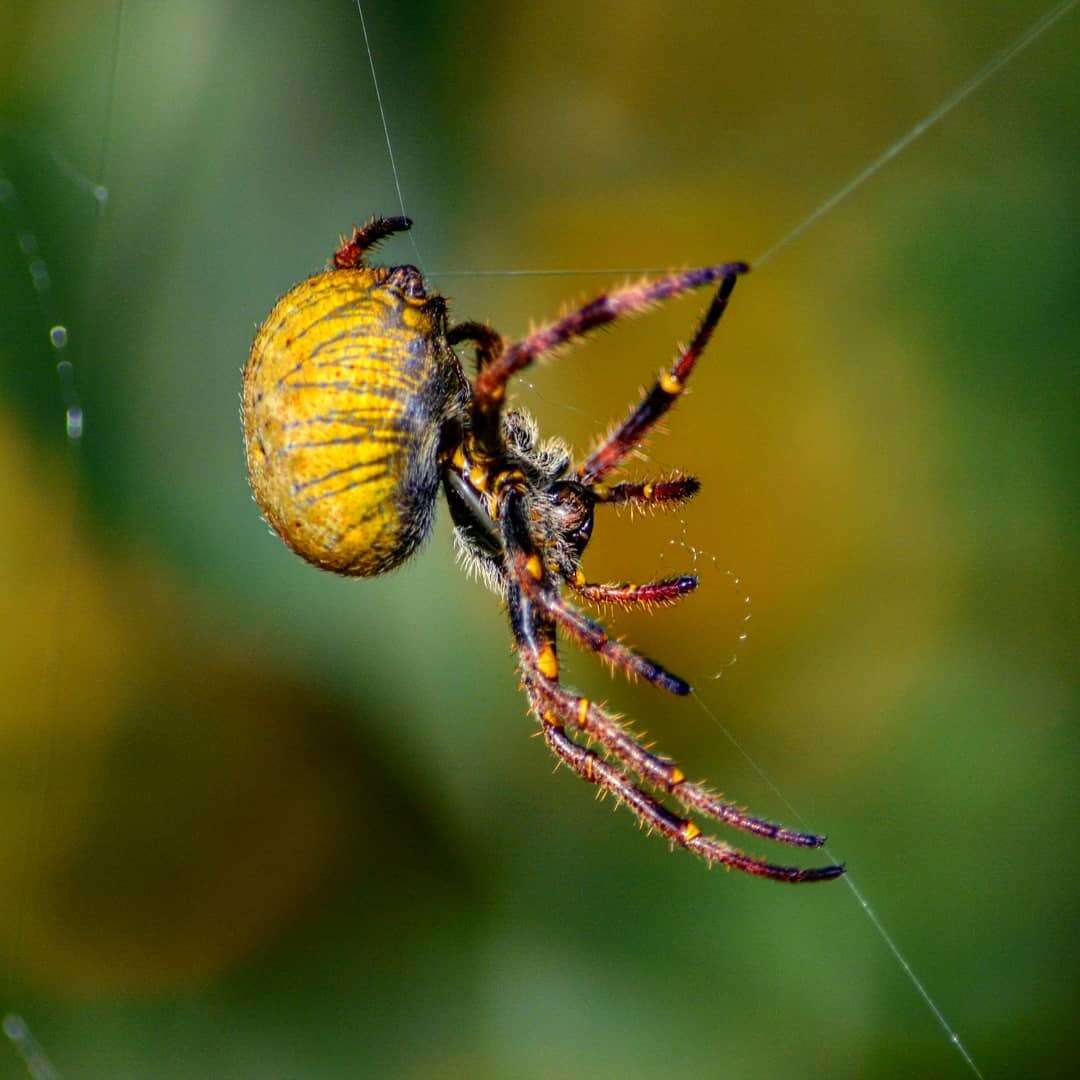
574, 513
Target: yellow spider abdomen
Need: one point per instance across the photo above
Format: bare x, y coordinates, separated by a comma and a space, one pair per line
346, 391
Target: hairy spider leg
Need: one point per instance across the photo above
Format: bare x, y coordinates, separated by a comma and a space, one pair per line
536, 651
627, 595
665, 391
352, 250
658, 772
590, 634
489, 386
555, 707
526, 565
591, 719
489, 342
662, 493
649, 493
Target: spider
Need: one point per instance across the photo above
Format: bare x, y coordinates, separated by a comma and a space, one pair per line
356, 408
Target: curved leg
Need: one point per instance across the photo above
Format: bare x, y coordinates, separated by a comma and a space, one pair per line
526, 568
589, 634
489, 343
648, 494
654, 816
626, 595
489, 386
351, 252
556, 707
656, 402
658, 772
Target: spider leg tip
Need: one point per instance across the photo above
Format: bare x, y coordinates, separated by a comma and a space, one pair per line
820, 873
795, 876
678, 686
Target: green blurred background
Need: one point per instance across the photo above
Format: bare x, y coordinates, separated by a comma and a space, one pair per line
260, 821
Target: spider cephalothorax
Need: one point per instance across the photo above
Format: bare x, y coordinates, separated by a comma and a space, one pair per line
356, 408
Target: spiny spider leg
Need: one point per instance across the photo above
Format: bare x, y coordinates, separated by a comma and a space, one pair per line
554, 706
533, 643
489, 386
662, 493
590, 634
658, 772
351, 251
624, 594
666, 390
591, 767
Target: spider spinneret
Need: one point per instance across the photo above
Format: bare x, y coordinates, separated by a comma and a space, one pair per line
356, 408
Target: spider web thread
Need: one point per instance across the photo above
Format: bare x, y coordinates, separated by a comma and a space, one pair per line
893, 150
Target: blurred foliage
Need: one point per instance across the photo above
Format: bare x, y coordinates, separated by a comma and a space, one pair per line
265, 822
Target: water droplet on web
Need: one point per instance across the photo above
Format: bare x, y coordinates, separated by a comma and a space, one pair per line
34, 1058
39, 274
28, 242
74, 419
699, 555
58, 336
14, 1027
6, 191
101, 193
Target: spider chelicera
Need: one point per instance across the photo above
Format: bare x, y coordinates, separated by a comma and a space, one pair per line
356, 408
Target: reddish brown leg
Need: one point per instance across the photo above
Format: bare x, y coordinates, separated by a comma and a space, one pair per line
653, 814
653, 493
656, 817
352, 250
527, 566
590, 634
658, 772
489, 386
623, 594
667, 389
555, 707
662, 493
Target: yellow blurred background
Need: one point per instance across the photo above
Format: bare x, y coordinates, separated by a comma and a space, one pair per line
261, 821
